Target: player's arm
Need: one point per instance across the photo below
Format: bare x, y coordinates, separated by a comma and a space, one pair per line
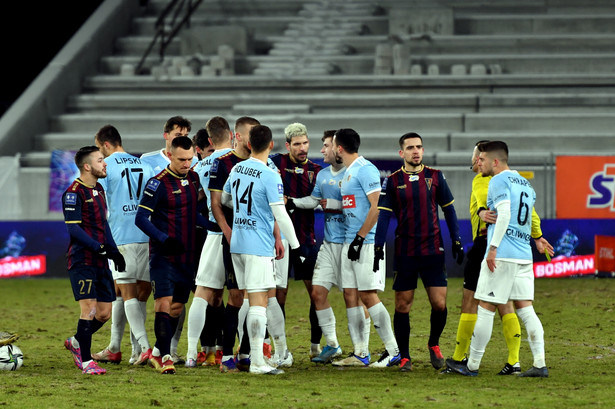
450, 215
143, 222
71, 206
216, 209
372, 215
279, 246
285, 224
542, 245
503, 209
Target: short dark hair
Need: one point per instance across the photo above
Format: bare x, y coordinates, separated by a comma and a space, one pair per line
409, 135
328, 134
498, 148
201, 139
182, 142
260, 138
246, 120
348, 139
218, 129
109, 133
180, 121
83, 154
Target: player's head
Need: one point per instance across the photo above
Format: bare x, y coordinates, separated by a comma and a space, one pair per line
346, 142
493, 157
261, 139
202, 144
475, 153
90, 160
174, 127
297, 142
219, 131
327, 150
411, 149
242, 130
107, 139
180, 154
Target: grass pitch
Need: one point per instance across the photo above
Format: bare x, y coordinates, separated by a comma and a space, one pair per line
577, 315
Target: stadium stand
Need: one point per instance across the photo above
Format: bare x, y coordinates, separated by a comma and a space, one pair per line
538, 74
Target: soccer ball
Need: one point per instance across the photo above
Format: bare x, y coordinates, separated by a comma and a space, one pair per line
11, 357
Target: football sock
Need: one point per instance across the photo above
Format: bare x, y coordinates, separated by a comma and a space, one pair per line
207, 336
356, 322
512, 335
438, 322
164, 332
218, 331
256, 323
367, 327
118, 324
535, 334
276, 326
382, 323
315, 331
326, 320
136, 322
196, 322
464, 335
241, 326
231, 326
481, 337
401, 324
84, 337
177, 326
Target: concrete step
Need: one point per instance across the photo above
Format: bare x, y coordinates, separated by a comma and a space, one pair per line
539, 122
364, 122
536, 23
230, 8
571, 63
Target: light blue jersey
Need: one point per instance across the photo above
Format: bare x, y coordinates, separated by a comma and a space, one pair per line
510, 186
254, 187
124, 184
361, 179
202, 168
328, 187
159, 161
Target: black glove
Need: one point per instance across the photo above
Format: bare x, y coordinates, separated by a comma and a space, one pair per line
354, 251
458, 250
173, 247
378, 255
290, 205
113, 254
295, 261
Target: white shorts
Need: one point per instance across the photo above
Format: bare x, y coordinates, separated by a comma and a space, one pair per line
136, 256
254, 273
509, 281
211, 271
360, 274
281, 267
328, 268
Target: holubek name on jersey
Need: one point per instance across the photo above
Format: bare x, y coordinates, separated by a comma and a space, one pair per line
248, 171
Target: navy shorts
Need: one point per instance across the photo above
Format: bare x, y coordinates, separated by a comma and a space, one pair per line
305, 271
92, 283
229, 270
407, 270
475, 257
171, 279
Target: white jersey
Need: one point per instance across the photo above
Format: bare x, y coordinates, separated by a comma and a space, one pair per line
361, 179
124, 184
509, 186
254, 187
159, 161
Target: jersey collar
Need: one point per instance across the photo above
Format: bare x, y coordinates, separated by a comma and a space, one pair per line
403, 169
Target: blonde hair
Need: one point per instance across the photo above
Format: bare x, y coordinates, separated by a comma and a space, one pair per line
295, 129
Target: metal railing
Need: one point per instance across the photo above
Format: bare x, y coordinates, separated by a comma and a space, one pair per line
166, 30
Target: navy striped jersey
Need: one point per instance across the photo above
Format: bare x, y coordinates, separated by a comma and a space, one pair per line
173, 201
299, 180
85, 205
414, 197
218, 174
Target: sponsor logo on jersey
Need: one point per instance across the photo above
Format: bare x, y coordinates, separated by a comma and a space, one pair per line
70, 199
348, 202
153, 185
280, 188
414, 178
299, 171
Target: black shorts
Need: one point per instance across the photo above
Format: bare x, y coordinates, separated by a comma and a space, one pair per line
408, 268
305, 271
171, 279
475, 257
229, 270
90, 282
